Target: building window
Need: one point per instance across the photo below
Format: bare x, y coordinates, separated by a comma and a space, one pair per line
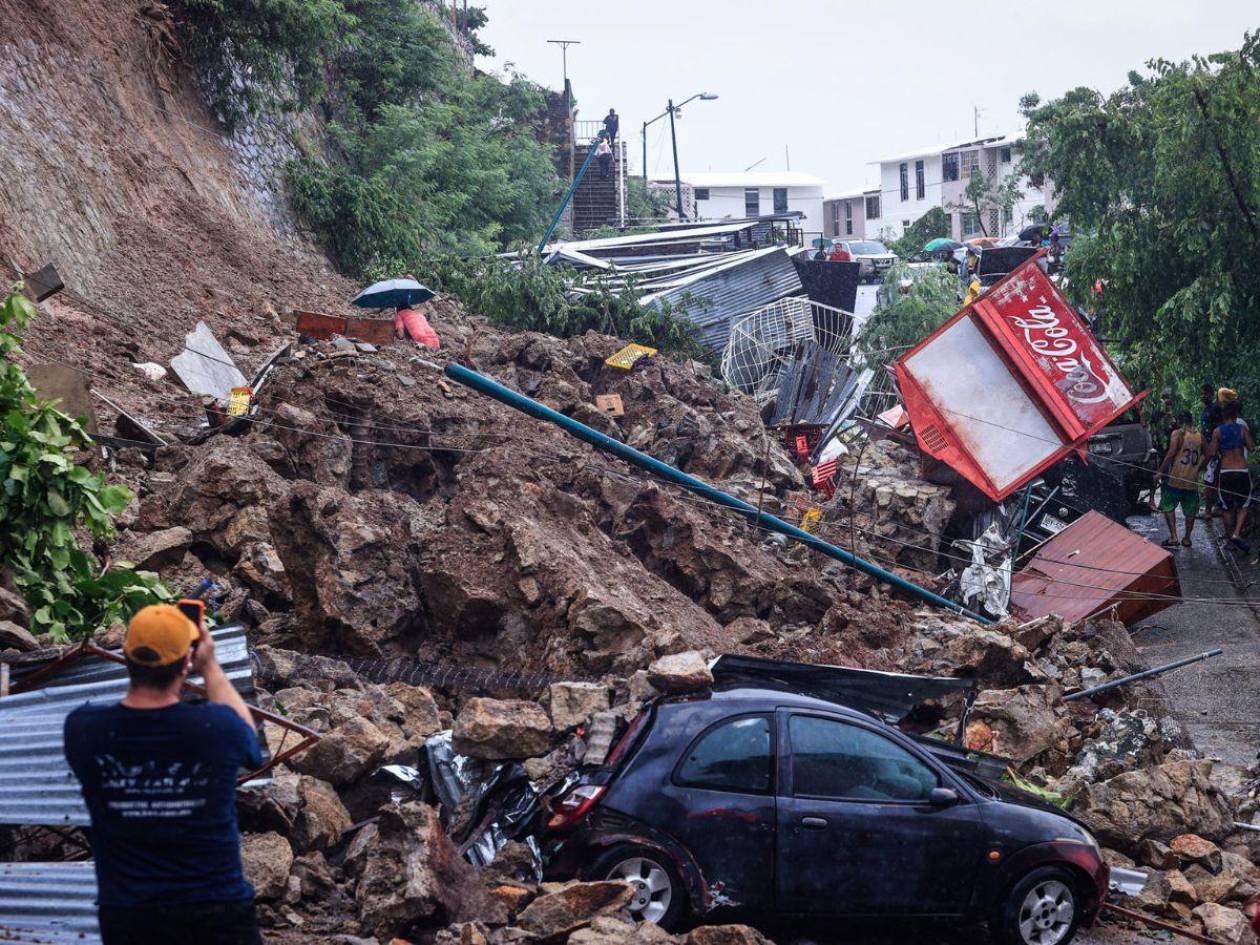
752, 202
905, 225
969, 161
970, 223
872, 207
949, 167
1004, 155
848, 218
835, 218
702, 193
905, 182
920, 190
780, 200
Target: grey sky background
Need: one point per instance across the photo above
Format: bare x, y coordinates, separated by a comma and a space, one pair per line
839, 83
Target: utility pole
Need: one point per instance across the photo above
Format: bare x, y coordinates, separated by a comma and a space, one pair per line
976, 111
673, 137
787, 157
564, 45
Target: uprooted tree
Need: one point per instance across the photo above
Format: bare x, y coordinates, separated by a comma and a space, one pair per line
1161, 181
46, 496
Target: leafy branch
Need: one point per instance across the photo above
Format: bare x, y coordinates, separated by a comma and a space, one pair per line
45, 497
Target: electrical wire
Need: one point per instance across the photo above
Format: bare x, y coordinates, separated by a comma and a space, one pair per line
430, 448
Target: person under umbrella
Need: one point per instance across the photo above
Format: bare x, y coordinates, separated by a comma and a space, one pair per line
401, 295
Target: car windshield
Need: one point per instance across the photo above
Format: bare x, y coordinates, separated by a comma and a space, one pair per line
867, 248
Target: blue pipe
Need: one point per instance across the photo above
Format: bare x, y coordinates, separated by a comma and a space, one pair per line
484, 385
555, 220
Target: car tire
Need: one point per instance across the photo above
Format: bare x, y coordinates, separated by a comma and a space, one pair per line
660, 896
1043, 908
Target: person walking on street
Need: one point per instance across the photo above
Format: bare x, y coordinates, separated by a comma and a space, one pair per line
1209, 420
612, 124
1181, 466
603, 153
1231, 441
158, 776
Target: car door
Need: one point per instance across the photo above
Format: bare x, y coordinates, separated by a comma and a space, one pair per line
723, 795
857, 834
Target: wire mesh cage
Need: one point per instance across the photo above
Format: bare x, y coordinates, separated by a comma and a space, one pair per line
761, 343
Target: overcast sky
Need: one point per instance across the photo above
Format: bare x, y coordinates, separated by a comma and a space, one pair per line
839, 83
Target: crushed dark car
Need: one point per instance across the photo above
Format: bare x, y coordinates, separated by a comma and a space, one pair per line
758, 801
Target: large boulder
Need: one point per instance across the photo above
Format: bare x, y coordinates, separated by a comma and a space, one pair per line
680, 673
156, 550
573, 703
726, 935
345, 754
571, 907
267, 859
1024, 724
1156, 804
1225, 925
349, 561
1125, 740
322, 818
498, 729
413, 877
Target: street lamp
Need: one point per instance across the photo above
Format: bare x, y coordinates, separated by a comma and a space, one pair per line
670, 111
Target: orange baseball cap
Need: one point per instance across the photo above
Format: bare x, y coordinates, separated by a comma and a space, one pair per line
159, 634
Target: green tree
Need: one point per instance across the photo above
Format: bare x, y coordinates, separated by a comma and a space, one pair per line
1161, 182
930, 226
914, 302
45, 497
984, 195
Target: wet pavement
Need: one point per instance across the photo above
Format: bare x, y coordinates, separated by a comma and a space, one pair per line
1218, 700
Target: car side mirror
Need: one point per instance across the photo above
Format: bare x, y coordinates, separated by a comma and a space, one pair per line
943, 797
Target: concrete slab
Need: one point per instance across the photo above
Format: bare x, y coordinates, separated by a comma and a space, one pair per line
204, 367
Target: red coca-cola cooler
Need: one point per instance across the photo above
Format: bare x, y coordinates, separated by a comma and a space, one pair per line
1011, 384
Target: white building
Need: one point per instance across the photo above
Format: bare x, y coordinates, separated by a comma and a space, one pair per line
853, 214
739, 195
914, 182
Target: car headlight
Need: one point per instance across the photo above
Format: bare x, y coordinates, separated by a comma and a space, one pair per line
1086, 838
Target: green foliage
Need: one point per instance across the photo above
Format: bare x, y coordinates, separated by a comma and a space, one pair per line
528, 295
372, 52
1161, 181
930, 226
46, 497
913, 303
461, 172
988, 193
644, 203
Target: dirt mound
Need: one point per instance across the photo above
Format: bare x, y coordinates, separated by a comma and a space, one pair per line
114, 171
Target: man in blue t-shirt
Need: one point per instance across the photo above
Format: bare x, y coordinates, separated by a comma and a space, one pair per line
159, 779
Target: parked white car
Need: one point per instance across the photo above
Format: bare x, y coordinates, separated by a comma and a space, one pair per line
875, 258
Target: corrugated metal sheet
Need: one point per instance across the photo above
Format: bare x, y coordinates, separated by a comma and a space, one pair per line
724, 293
48, 903
36, 785
1092, 566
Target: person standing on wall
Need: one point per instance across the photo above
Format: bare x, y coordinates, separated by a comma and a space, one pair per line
1181, 465
612, 124
158, 776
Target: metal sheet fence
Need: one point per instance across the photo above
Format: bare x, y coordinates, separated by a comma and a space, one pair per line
48, 903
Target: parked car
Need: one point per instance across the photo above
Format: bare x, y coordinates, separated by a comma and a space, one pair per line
874, 257
766, 802
1125, 448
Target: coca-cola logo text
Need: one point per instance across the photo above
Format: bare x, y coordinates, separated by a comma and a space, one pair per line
1055, 343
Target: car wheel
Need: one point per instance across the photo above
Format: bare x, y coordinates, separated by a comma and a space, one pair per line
1043, 908
659, 896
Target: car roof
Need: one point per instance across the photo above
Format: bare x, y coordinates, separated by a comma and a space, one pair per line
767, 698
